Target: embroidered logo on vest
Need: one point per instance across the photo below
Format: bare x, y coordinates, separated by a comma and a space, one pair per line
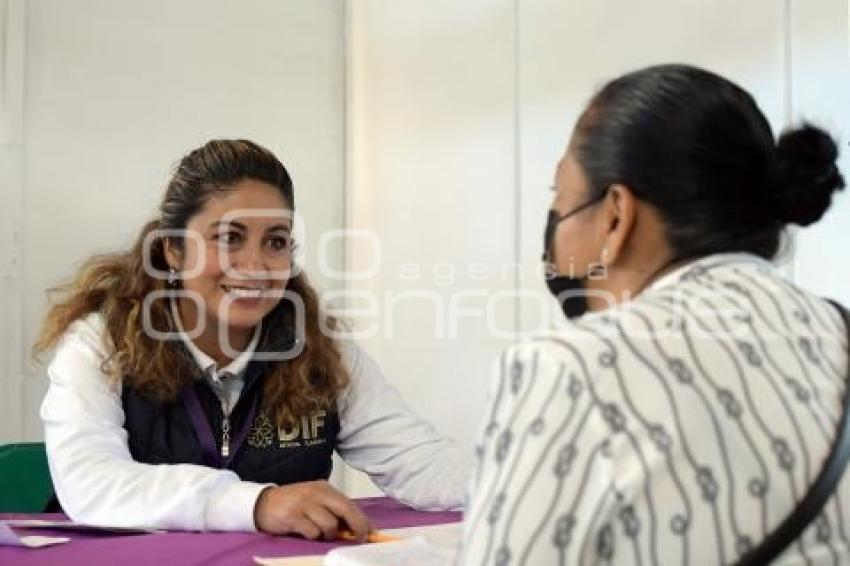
262, 432
308, 431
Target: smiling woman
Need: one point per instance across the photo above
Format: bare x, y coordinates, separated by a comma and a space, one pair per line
242, 265
246, 388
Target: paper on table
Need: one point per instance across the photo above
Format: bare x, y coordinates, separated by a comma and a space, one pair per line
9, 538
415, 551
295, 561
447, 535
82, 527
434, 545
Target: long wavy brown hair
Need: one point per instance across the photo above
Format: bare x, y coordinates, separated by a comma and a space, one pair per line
116, 284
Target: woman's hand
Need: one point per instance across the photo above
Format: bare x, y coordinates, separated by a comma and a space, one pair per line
312, 509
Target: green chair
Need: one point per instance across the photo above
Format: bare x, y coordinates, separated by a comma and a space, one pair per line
25, 485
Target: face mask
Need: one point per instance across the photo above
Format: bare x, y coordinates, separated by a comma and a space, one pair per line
570, 291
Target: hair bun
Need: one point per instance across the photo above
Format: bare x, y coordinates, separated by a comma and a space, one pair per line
806, 176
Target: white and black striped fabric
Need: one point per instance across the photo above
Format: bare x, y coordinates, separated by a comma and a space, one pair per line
677, 428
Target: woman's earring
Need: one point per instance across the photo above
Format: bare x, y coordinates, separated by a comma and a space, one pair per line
172, 277
599, 270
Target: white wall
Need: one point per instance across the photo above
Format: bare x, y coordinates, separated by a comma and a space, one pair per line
431, 104
12, 344
570, 49
821, 93
116, 92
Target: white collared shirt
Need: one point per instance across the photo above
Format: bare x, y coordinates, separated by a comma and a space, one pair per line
678, 428
98, 482
228, 381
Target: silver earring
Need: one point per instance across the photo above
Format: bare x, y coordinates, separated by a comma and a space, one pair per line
172, 276
605, 254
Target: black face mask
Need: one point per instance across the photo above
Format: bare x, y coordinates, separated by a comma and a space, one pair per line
570, 291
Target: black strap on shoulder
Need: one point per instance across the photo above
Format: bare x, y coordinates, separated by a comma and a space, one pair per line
812, 504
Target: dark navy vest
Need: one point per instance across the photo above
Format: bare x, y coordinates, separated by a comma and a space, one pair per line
163, 433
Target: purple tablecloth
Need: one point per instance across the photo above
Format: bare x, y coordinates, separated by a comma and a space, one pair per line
208, 549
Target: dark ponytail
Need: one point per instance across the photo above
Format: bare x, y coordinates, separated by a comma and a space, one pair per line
697, 148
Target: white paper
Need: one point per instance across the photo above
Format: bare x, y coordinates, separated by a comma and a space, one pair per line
294, 561
409, 552
71, 526
8, 537
434, 545
446, 535
421, 546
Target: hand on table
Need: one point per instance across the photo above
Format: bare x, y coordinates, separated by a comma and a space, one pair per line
314, 510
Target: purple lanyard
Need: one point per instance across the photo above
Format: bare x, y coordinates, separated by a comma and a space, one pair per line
212, 457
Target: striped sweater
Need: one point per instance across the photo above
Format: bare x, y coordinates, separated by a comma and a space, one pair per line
677, 428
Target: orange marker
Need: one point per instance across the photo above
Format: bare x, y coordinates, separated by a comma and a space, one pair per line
374, 536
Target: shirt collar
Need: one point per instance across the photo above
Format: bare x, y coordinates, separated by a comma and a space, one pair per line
709, 262
208, 365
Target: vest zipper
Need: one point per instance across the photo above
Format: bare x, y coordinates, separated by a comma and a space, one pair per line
225, 423
225, 437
